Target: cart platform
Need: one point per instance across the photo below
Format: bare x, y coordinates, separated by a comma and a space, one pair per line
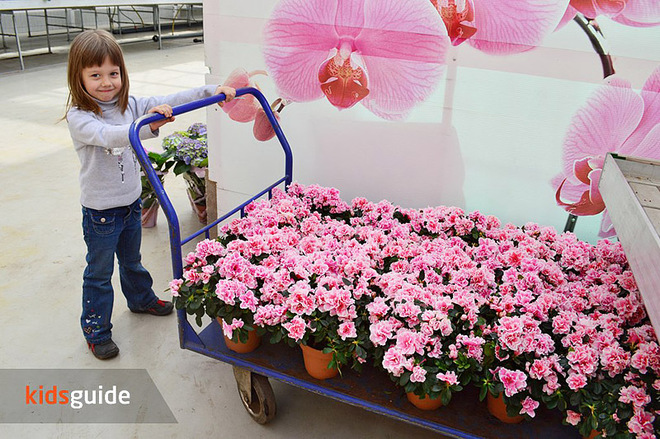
465, 417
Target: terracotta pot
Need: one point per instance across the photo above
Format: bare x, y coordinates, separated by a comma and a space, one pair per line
497, 408
316, 363
424, 404
251, 344
199, 207
150, 215
592, 435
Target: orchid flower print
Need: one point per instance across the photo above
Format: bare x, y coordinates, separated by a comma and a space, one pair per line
387, 55
637, 13
615, 119
246, 108
500, 27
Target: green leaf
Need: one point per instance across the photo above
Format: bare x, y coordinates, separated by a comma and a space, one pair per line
483, 392
575, 399
180, 168
276, 338
445, 396
562, 405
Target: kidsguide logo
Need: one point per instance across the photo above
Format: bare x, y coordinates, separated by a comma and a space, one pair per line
77, 398
81, 396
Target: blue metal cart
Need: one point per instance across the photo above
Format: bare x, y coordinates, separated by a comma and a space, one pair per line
463, 418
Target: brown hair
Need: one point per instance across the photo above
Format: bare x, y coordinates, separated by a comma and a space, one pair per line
90, 49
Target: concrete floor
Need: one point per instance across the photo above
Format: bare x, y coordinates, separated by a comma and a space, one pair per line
42, 260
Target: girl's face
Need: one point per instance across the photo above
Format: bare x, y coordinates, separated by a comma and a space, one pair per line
102, 82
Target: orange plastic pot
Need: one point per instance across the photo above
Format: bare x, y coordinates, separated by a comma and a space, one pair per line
251, 344
425, 403
497, 408
316, 363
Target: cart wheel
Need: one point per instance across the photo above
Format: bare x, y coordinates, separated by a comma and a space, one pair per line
260, 403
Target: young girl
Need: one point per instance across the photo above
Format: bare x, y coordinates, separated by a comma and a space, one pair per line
99, 113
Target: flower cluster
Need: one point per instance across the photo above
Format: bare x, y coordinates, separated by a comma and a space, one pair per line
188, 147
190, 153
439, 299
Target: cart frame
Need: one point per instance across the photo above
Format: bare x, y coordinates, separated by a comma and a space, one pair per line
463, 418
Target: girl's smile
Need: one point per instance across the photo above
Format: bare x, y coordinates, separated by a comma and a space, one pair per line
102, 82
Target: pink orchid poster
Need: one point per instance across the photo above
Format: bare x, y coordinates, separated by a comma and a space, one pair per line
472, 103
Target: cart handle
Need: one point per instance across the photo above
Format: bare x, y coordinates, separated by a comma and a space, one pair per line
170, 213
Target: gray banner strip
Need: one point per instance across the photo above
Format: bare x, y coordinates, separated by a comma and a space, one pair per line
81, 396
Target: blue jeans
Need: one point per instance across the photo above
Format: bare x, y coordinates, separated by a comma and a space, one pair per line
109, 232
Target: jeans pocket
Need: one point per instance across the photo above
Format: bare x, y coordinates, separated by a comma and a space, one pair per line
136, 211
102, 224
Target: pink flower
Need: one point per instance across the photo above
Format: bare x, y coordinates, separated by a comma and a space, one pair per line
614, 119
300, 301
243, 108
513, 380
174, 286
418, 375
500, 28
248, 301
356, 51
646, 356
641, 423
639, 13
576, 381
635, 396
380, 332
614, 360
528, 407
409, 342
228, 329
394, 361
572, 417
347, 330
583, 359
449, 377
296, 328
229, 290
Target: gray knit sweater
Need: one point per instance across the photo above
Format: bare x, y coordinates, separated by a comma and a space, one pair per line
110, 172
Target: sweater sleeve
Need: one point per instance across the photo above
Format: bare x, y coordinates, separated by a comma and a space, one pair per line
87, 128
143, 105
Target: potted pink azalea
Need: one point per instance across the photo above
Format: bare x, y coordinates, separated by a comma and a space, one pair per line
438, 299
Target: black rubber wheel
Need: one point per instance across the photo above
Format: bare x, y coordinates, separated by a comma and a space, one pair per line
155, 38
262, 407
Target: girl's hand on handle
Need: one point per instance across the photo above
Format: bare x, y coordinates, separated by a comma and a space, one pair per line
166, 111
229, 92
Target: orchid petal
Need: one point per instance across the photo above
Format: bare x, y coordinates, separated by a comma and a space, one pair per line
262, 129
651, 117
650, 146
403, 46
603, 124
349, 19
584, 207
640, 13
242, 108
581, 169
585, 7
571, 189
569, 15
513, 26
594, 193
606, 226
298, 39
